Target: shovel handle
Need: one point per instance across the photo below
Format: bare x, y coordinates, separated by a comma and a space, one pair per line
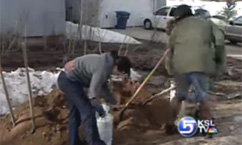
141, 86
146, 79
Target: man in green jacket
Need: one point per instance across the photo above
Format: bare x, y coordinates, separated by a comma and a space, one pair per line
197, 53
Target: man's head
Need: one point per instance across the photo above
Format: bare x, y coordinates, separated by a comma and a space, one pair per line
122, 64
182, 12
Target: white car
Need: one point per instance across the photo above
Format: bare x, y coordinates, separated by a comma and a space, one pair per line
160, 18
233, 29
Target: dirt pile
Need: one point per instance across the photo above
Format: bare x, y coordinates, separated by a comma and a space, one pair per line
51, 118
51, 115
141, 125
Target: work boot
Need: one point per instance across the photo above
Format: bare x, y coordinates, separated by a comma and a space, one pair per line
209, 136
197, 112
170, 129
206, 115
205, 111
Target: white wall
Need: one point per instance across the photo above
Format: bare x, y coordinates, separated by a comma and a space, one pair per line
41, 17
90, 12
139, 9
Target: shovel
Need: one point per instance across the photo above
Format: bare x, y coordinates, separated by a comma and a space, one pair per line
142, 85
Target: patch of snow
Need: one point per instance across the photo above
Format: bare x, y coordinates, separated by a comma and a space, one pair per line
42, 83
97, 34
135, 76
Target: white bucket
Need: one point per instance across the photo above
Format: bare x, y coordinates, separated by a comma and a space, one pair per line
105, 126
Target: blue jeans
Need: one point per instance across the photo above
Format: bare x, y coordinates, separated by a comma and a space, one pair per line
81, 112
199, 81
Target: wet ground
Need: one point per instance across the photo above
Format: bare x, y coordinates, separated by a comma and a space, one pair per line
142, 125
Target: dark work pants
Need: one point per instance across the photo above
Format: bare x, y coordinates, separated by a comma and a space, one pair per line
81, 112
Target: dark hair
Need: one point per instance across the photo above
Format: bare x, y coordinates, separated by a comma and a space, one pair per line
182, 12
123, 64
114, 54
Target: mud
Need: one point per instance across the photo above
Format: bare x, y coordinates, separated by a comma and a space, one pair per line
141, 125
51, 115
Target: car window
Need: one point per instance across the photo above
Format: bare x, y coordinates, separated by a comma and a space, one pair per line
163, 11
238, 21
202, 13
172, 13
219, 17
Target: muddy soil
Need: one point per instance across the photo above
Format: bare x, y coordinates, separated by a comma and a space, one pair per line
144, 57
141, 125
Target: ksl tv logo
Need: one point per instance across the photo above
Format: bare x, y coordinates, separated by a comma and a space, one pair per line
188, 127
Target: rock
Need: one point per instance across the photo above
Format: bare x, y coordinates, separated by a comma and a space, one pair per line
44, 134
230, 73
23, 137
8, 129
125, 125
57, 128
236, 95
238, 119
232, 128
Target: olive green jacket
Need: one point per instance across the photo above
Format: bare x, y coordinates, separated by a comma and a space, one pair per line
197, 46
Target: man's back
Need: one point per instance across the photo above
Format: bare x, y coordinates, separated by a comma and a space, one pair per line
193, 31
192, 39
86, 66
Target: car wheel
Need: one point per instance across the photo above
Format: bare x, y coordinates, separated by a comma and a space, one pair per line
233, 41
147, 24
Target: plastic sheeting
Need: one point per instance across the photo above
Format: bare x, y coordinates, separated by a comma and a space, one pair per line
97, 34
105, 126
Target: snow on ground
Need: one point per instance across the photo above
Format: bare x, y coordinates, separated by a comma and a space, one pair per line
42, 83
97, 34
213, 7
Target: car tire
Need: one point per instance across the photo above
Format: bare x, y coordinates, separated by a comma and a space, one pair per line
233, 41
147, 25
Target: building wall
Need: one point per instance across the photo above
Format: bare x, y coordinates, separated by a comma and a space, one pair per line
139, 9
90, 12
160, 3
39, 17
101, 13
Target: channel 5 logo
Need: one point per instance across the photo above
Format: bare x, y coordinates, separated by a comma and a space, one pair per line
188, 126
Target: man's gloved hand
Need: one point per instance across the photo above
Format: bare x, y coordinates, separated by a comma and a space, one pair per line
98, 107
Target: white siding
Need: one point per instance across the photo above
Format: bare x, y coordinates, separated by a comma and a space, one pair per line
40, 17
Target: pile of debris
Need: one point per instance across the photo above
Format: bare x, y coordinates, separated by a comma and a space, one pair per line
51, 113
